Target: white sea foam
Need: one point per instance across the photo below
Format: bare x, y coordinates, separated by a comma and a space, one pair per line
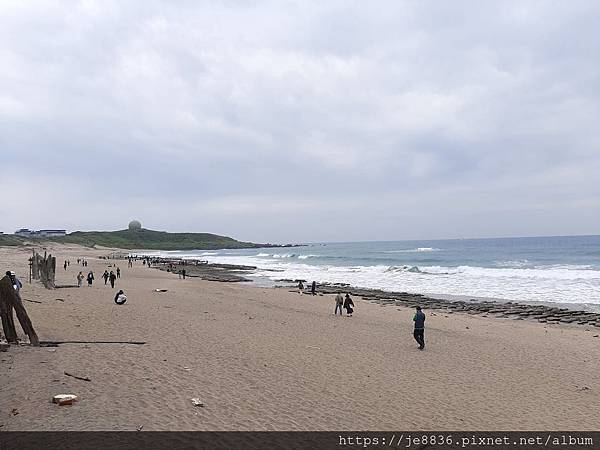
558, 283
415, 250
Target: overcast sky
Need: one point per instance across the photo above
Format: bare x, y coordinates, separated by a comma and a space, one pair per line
297, 121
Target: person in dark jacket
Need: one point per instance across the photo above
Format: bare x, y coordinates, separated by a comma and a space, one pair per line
313, 288
348, 304
105, 276
120, 298
118, 273
90, 278
419, 333
112, 277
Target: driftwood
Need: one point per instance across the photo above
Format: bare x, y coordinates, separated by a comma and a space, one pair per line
57, 343
75, 376
9, 300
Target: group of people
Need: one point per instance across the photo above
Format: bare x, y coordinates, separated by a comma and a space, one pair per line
313, 287
111, 276
108, 276
345, 303
81, 261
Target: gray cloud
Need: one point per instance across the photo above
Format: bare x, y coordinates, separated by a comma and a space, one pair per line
301, 121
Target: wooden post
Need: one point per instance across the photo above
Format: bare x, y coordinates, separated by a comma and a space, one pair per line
35, 267
9, 299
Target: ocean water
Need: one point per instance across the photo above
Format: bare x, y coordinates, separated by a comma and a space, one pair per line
563, 270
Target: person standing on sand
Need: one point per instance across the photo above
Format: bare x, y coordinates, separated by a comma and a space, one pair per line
183, 273
300, 287
313, 288
65, 265
105, 276
90, 278
339, 301
112, 277
118, 273
16, 283
348, 304
419, 333
79, 279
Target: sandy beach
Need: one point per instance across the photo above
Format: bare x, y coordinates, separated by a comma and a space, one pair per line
269, 359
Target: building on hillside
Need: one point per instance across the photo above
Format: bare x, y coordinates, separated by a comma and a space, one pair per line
50, 233
26, 232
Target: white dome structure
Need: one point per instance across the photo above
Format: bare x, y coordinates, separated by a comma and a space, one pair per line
135, 225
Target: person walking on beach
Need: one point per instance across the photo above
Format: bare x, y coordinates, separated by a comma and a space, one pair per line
105, 276
313, 288
118, 273
112, 277
348, 304
419, 320
65, 265
339, 302
183, 273
79, 279
90, 278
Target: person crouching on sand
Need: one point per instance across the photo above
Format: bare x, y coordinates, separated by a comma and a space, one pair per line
339, 301
120, 298
348, 304
419, 333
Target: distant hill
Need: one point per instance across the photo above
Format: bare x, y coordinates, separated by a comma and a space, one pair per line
10, 240
153, 240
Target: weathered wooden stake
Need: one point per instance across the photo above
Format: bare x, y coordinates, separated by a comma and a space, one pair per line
9, 299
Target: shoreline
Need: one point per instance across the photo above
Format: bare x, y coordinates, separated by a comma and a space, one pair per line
271, 360
541, 312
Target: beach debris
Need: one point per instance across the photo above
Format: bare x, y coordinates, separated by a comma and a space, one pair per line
78, 378
582, 388
187, 369
59, 299
140, 428
596, 335
64, 399
160, 290
52, 350
32, 301
197, 402
315, 348
57, 343
15, 412
4, 346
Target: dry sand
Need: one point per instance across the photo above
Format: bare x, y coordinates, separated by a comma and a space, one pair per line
268, 359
